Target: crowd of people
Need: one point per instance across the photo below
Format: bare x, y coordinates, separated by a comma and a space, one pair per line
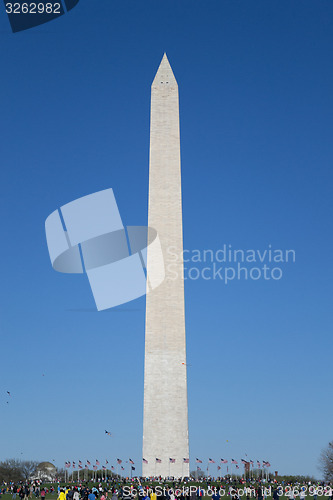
26, 491
141, 489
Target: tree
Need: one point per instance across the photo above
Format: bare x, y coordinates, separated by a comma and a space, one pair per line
326, 462
10, 470
61, 475
197, 474
16, 470
28, 467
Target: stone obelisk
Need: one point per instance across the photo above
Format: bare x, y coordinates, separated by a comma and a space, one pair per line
165, 426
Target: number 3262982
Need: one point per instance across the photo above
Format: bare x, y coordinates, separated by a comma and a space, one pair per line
33, 8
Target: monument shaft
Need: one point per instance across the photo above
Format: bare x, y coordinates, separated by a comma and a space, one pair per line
165, 428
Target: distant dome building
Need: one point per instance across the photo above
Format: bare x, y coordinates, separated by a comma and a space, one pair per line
45, 471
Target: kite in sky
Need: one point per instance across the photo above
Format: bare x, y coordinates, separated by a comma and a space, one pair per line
108, 433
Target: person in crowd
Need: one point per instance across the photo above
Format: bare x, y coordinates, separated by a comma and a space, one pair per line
21, 492
315, 492
260, 495
84, 493
62, 495
69, 494
302, 493
275, 494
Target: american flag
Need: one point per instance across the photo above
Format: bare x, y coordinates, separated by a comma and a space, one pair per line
131, 461
80, 463
237, 466
67, 464
106, 461
258, 464
265, 464
198, 468
251, 462
172, 460
88, 462
198, 461
244, 461
73, 465
112, 468
186, 460
144, 461
218, 467
122, 468
211, 461
104, 468
234, 461
119, 461
158, 460
97, 462
95, 467
80, 466
224, 461
86, 466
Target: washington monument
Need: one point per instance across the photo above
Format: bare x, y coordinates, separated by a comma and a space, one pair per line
165, 423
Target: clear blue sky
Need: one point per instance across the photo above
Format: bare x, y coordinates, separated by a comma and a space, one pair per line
255, 79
